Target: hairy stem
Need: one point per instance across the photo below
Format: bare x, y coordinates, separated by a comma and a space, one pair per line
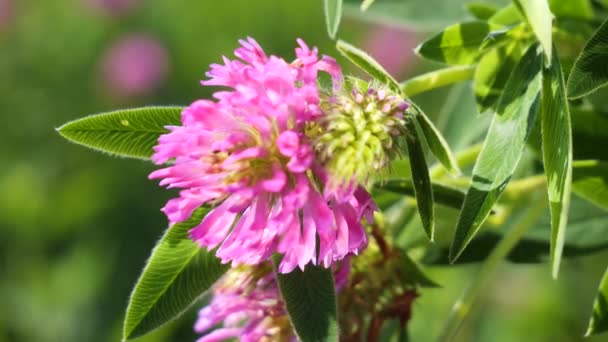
436, 79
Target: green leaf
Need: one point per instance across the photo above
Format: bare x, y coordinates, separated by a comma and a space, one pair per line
507, 15
590, 181
421, 180
435, 79
579, 9
557, 155
502, 149
492, 74
589, 72
599, 318
364, 61
436, 142
481, 10
458, 44
442, 194
540, 18
126, 133
333, 16
310, 299
176, 274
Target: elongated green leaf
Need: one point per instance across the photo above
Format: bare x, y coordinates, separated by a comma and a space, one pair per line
442, 194
599, 318
557, 155
492, 74
481, 10
590, 181
421, 180
458, 44
437, 144
436, 79
502, 148
364, 61
589, 72
126, 133
507, 15
333, 16
310, 299
580, 9
540, 18
177, 273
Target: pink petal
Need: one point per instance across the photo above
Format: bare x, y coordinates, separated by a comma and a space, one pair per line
288, 143
222, 334
277, 182
215, 226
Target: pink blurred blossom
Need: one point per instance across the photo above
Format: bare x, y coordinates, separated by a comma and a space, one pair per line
393, 47
6, 12
114, 7
134, 65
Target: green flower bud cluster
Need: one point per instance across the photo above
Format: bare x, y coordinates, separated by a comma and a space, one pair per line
382, 285
360, 133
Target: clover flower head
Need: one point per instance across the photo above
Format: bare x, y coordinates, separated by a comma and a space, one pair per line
361, 133
248, 154
246, 300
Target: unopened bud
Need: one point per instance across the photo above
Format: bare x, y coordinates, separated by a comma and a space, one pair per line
360, 133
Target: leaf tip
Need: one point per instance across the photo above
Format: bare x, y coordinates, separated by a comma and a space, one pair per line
339, 44
366, 4
333, 16
125, 335
59, 130
332, 34
455, 251
589, 331
555, 268
127, 328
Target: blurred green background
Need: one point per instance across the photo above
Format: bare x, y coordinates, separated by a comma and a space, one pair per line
76, 226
